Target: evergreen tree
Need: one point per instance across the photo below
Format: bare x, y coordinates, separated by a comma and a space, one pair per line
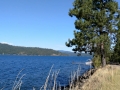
116, 54
96, 22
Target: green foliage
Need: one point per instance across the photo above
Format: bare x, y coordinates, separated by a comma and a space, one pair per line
116, 54
17, 50
96, 22
97, 61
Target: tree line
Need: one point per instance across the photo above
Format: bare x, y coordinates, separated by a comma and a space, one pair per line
18, 50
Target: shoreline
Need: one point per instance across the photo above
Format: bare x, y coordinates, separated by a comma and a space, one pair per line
103, 78
80, 80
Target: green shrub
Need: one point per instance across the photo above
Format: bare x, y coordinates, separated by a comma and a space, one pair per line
97, 61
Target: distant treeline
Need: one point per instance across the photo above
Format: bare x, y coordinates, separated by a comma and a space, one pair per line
75, 54
18, 50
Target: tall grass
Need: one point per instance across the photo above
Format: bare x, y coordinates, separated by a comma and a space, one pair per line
56, 85
74, 79
51, 81
45, 86
107, 78
18, 82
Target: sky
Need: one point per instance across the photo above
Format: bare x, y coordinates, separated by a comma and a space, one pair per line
37, 23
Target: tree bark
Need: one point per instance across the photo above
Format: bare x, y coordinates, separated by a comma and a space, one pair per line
103, 60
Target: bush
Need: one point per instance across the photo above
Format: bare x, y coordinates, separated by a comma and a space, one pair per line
96, 61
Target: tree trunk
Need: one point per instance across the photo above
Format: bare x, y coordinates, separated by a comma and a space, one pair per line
103, 60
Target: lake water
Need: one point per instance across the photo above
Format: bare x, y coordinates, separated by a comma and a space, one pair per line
36, 69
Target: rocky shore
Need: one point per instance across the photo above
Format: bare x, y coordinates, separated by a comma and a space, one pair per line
79, 82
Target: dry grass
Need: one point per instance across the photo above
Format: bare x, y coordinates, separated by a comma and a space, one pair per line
107, 78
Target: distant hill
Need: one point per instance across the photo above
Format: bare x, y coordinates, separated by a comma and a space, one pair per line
18, 50
68, 53
72, 53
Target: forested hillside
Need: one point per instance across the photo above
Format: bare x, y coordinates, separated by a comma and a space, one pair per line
18, 50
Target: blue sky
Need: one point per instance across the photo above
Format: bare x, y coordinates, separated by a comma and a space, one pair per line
36, 23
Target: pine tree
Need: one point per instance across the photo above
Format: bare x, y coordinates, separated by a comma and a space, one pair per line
116, 54
95, 23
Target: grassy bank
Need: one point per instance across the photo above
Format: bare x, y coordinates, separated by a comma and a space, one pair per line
107, 78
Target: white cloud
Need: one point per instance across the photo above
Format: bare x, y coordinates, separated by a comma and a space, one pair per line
6, 43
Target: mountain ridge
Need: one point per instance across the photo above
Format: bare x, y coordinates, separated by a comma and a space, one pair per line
22, 50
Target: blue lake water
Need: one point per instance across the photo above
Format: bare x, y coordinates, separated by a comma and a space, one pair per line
36, 69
